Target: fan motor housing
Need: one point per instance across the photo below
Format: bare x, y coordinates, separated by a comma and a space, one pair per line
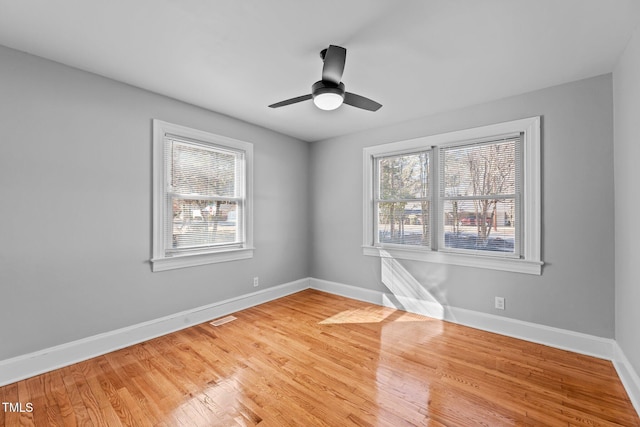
324, 86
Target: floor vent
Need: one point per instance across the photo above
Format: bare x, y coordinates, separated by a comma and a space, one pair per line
223, 320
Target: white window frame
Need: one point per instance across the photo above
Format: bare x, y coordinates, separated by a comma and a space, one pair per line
162, 258
529, 261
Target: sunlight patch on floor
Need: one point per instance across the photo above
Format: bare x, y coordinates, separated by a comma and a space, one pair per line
372, 315
359, 315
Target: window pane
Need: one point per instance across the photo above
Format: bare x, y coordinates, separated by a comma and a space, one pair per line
202, 223
404, 223
404, 177
480, 170
480, 224
202, 171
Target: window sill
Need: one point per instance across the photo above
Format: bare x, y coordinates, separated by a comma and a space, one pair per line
493, 263
192, 260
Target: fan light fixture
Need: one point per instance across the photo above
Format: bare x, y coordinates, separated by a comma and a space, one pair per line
327, 95
328, 101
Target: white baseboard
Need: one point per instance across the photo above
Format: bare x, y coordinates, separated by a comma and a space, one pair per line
28, 365
576, 342
628, 376
553, 337
354, 292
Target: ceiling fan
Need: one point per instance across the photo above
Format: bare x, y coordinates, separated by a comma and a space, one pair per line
329, 93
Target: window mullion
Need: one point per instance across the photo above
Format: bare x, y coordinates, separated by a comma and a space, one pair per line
436, 202
376, 196
518, 226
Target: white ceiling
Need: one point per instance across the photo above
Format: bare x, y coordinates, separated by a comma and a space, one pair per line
414, 57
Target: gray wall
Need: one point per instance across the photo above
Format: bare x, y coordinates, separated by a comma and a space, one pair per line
75, 198
576, 288
75, 193
626, 85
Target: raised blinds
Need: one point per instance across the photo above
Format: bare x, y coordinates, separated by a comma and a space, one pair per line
204, 196
402, 199
479, 192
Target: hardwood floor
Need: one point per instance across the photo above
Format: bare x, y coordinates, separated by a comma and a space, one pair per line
315, 359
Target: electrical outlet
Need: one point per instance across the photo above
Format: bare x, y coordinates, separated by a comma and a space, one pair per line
500, 303
256, 283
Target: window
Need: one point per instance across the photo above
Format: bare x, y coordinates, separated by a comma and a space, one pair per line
468, 198
402, 196
202, 197
479, 188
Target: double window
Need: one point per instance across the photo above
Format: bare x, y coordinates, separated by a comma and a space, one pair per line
461, 198
202, 203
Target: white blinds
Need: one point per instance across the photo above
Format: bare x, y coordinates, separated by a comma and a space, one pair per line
479, 192
402, 198
204, 196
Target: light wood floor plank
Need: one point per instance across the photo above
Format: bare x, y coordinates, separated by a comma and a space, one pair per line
316, 359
